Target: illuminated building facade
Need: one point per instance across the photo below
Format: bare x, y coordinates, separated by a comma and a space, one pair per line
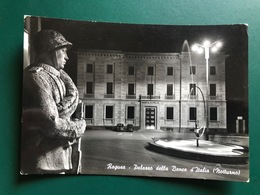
151, 90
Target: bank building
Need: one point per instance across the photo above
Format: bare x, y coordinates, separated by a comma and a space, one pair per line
151, 90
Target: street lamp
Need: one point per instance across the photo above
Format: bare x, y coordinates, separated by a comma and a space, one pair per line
206, 47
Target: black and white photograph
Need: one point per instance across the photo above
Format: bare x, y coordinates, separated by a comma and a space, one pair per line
146, 100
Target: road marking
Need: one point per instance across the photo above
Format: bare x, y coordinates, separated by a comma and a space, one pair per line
120, 134
131, 134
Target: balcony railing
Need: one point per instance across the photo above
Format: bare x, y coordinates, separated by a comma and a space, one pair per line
169, 97
109, 95
192, 97
213, 97
130, 96
150, 97
89, 95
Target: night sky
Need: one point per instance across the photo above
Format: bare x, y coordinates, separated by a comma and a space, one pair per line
168, 39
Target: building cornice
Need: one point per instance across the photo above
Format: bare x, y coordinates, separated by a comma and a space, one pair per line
128, 55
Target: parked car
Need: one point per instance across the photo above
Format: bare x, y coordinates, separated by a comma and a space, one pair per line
130, 127
120, 127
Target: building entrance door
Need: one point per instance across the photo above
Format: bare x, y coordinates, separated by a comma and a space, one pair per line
150, 117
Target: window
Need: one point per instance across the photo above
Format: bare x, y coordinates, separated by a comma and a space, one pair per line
131, 70
89, 87
212, 70
131, 89
109, 112
169, 71
88, 112
130, 112
150, 89
109, 88
212, 90
150, 70
192, 89
109, 68
169, 89
169, 113
89, 68
192, 69
213, 114
193, 114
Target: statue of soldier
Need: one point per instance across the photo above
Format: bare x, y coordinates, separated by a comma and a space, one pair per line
50, 98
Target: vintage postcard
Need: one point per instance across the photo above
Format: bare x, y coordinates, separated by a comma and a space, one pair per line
135, 99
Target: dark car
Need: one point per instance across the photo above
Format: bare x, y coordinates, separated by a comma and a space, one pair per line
120, 127
130, 127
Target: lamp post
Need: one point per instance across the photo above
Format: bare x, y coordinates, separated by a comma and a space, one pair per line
206, 47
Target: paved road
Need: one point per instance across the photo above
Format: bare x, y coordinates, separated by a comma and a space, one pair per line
126, 153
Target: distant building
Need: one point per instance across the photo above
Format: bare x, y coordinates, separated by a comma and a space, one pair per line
151, 90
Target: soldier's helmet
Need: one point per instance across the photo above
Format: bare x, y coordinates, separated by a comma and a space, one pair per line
48, 40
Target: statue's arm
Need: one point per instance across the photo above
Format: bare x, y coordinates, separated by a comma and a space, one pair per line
51, 124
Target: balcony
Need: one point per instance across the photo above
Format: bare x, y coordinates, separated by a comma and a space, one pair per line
130, 96
213, 97
109, 95
150, 97
169, 97
192, 97
89, 95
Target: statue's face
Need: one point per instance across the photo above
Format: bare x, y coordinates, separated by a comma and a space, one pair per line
60, 58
